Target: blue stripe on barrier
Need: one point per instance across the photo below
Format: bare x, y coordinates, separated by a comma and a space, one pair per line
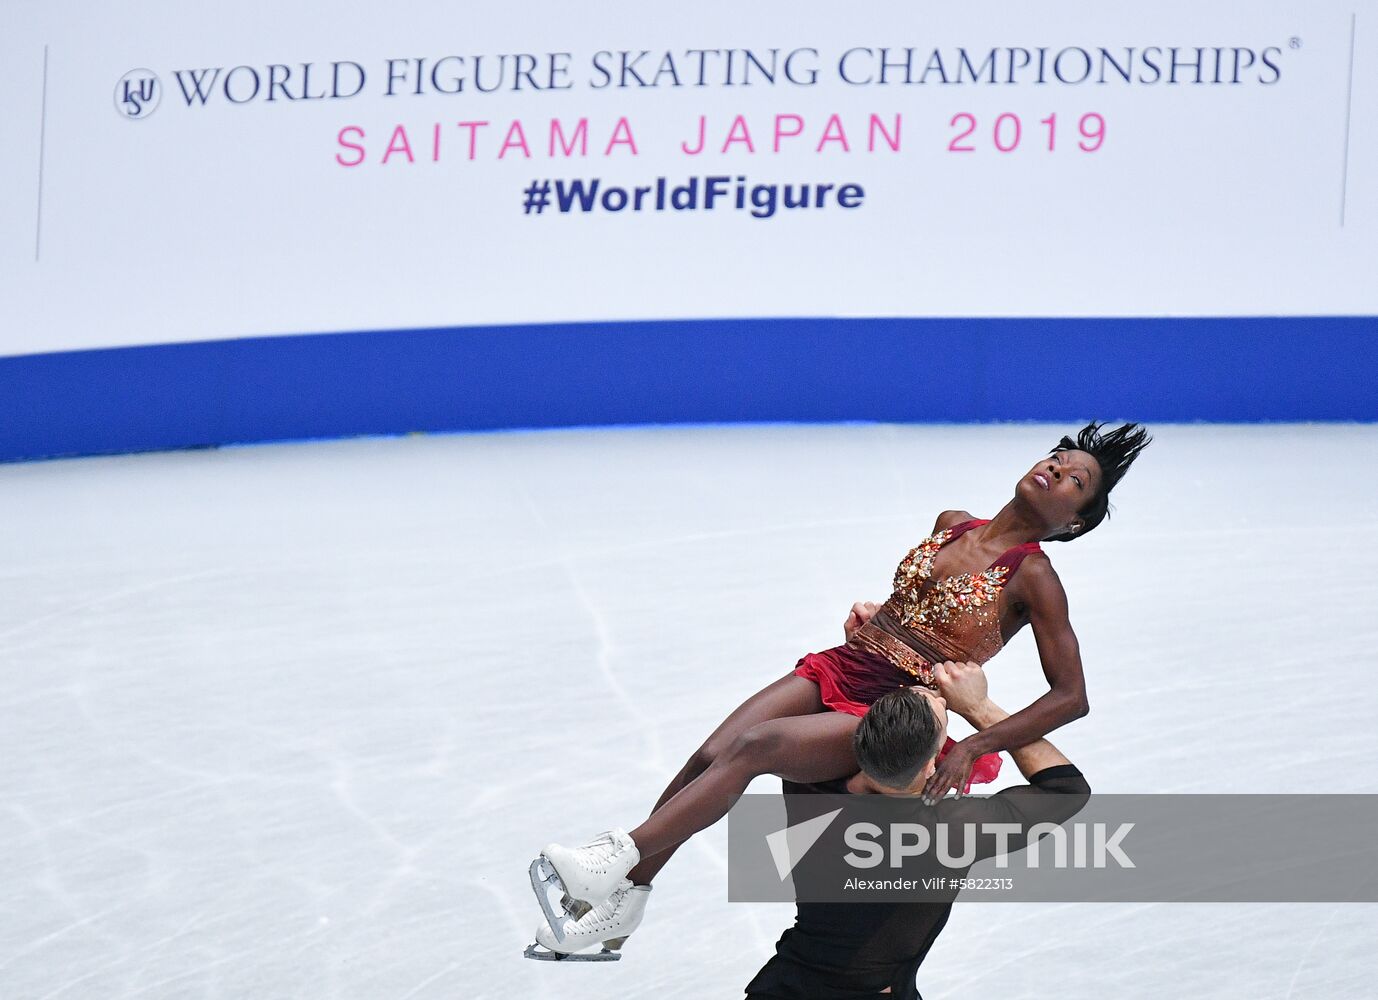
568, 374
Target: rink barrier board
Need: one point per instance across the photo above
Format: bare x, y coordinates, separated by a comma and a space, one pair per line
479, 378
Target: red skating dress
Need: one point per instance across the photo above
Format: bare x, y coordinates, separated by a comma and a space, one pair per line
956, 618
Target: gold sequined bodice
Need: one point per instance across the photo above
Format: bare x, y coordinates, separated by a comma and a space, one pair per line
955, 618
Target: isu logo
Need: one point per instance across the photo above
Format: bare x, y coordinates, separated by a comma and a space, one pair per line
138, 93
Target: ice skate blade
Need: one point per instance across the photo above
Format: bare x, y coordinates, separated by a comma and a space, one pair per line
542, 955
543, 879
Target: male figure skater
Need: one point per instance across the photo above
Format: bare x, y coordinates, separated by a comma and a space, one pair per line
850, 950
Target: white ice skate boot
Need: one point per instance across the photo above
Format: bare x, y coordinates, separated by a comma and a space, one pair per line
589, 873
610, 922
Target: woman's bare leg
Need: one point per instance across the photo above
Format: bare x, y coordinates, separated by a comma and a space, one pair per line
790, 695
805, 748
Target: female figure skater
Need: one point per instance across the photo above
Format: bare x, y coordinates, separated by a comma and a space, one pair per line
957, 597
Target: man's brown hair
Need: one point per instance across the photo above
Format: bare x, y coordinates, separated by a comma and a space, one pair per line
897, 737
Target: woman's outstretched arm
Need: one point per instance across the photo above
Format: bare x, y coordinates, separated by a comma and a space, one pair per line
1041, 592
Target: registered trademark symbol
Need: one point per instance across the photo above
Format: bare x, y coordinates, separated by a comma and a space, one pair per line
1294, 41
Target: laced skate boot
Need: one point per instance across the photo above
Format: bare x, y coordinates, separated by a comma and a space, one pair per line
610, 923
589, 873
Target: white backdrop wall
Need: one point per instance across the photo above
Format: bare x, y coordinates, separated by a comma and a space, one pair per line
1230, 175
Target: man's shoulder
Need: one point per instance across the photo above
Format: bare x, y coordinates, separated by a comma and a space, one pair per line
837, 786
1060, 779
1053, 795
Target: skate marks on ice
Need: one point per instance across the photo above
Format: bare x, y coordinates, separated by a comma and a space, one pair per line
293, 720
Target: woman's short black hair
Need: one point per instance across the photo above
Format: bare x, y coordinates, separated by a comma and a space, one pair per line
897, 737
1114, 451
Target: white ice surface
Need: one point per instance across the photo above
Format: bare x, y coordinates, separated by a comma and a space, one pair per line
290, 721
